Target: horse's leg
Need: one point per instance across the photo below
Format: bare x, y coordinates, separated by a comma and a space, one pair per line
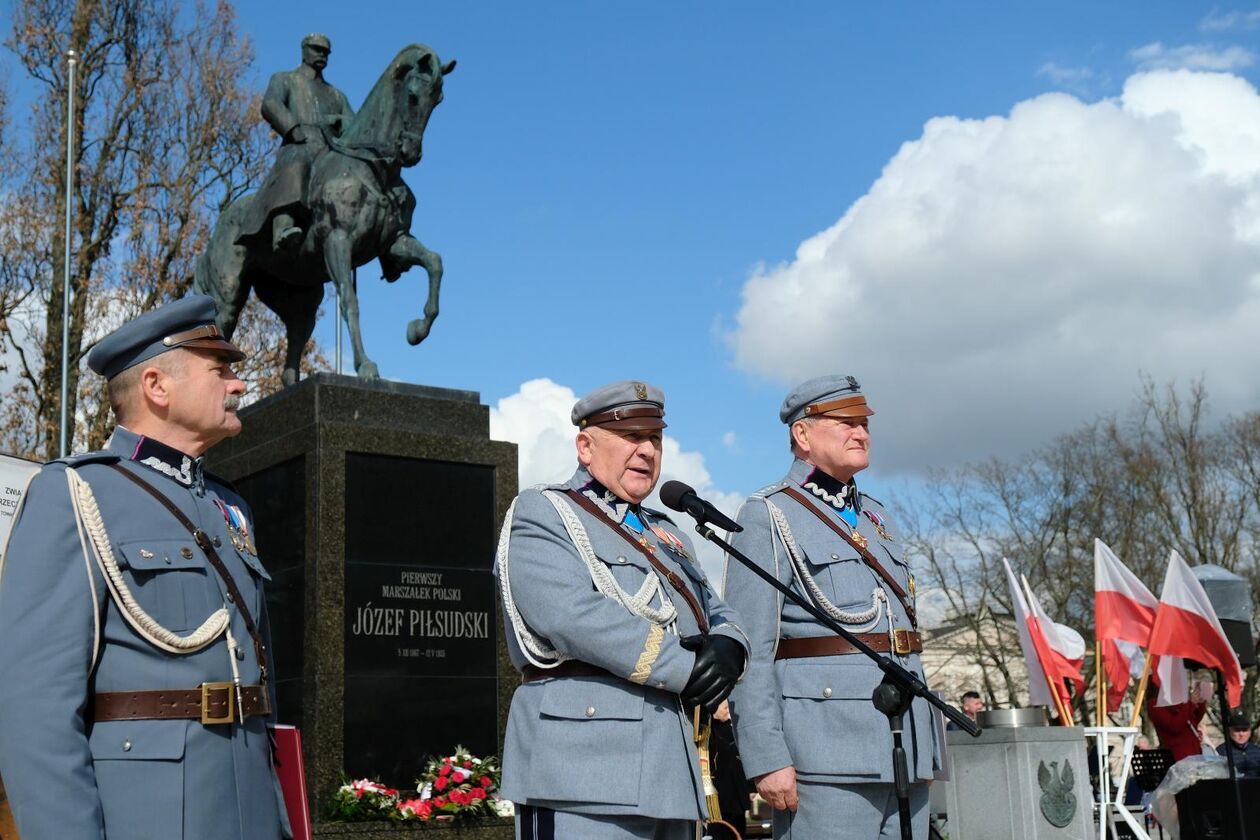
409, 250
337, 259
297, 307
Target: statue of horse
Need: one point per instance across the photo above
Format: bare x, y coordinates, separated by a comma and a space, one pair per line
359, 209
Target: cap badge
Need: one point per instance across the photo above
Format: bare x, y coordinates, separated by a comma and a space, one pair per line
853, 383
640, 390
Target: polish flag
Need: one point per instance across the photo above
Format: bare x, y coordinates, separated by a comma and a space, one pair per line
1124, 612
1037, 649
1064, 646
1186, 627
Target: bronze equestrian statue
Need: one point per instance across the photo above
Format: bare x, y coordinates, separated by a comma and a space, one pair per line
334, 201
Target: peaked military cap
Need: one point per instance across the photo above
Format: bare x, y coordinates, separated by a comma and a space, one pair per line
187, 322
1239, 720
624, 406
834, 396
317, 39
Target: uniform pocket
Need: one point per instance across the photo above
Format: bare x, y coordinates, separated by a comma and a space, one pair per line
593, 732
830, 698
140, 777
168, 578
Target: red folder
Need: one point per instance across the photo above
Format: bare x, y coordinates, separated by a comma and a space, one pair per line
292, 776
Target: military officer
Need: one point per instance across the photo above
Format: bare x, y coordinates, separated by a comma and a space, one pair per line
133, 632
616, 633
305, 110
810, 739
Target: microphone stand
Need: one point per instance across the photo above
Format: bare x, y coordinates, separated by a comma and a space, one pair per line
892, 696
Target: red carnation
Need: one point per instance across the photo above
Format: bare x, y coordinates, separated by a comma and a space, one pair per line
445, 771
468, 763
485, 781
477, 793
440, 783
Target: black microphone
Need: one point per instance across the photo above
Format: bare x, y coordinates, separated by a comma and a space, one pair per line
678, 496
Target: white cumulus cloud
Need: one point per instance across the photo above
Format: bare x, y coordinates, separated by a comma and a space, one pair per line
1156, 56
1006, 279
536, 419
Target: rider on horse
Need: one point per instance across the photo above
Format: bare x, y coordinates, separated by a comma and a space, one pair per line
305, 110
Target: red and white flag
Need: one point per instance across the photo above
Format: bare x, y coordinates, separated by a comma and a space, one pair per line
1124, 614
1065, 647
1186, 627
1044, 667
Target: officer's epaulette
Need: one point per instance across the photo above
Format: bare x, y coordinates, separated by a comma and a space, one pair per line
769, 489
101, 456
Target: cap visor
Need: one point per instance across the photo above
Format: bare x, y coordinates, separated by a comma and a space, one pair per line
634, 424
220, 344
852, 411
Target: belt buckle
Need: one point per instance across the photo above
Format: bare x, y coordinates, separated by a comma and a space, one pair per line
901, 642
209, 719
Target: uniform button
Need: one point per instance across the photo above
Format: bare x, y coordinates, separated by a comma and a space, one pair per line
217, 542
126, 745
590, 711
835, 557
186, 553
827, 691
621, 559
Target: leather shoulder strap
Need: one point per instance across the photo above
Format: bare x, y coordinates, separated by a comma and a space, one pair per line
203, 541
647, 551
866, 555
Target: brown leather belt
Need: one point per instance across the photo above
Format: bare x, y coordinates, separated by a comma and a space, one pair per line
903, 642
571, 668
212, 703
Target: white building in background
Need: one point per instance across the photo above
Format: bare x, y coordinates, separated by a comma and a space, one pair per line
978, 652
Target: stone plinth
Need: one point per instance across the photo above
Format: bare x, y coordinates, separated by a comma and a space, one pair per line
377, 508
996, 789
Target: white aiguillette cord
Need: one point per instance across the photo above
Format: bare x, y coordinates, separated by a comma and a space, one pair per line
88, 513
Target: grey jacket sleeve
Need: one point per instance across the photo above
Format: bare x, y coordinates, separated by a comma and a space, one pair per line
553, 592
46, 642
756, 703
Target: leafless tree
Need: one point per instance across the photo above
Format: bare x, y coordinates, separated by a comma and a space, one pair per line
167, 134
1161, 477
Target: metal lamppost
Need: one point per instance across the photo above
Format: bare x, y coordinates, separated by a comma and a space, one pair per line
72, 59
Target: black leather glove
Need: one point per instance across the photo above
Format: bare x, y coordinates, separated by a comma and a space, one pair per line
719, 662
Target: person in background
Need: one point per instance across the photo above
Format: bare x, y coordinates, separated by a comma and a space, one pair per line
971, 704
1177, 726
1246, 754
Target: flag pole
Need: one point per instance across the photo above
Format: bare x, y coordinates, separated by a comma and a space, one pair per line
1140, 698
1100, 683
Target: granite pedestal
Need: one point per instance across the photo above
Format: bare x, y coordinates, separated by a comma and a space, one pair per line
1030, 783
377, 508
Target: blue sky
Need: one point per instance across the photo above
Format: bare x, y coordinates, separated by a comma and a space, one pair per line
993, 215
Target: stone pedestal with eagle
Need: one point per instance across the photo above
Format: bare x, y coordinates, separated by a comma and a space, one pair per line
1025, 782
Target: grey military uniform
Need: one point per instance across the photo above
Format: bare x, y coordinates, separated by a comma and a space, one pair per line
815, 713
64, 640
617, 744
